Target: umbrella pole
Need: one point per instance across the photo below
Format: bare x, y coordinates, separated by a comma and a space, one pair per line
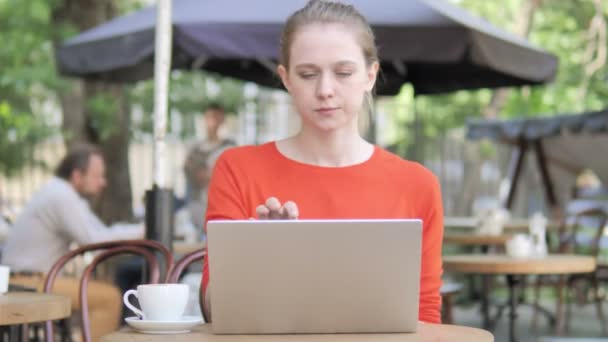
159, 200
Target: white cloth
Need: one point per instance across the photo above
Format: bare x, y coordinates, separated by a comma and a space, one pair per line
194, 281
4, 228
55, 217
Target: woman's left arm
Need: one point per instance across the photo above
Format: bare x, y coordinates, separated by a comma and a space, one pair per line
432, 268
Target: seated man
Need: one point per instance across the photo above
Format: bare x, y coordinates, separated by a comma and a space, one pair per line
55, 217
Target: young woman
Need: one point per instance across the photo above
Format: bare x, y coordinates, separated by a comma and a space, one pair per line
329, 65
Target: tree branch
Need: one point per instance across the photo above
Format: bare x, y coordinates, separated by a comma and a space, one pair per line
596, 37
523, 27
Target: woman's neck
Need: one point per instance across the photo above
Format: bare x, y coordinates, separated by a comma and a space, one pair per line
328, 149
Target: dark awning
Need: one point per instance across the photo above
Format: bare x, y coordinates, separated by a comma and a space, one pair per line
513, 130
571, 143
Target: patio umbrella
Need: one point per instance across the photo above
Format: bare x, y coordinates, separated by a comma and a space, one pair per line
564, 145
435, 46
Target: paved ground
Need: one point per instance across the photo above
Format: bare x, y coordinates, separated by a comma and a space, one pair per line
584, 322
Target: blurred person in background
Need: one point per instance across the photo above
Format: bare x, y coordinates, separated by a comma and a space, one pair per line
199, 162
189, 218
212, 145
57, 216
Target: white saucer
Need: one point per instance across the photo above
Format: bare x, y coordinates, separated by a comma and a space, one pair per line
164, 327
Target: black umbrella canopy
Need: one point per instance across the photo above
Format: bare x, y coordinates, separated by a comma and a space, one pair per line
571, 143
435, 46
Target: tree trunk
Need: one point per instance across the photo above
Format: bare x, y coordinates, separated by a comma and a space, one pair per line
72, 104
78, 120
471, 181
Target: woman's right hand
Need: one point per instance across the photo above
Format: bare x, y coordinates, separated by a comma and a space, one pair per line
274, 210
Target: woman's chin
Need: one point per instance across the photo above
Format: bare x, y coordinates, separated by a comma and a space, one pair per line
328, 126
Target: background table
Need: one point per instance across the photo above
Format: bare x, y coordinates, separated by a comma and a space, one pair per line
476, 239
426, 332
182, 247
504, 264
472, 243
28, 307
513, 268
513, 224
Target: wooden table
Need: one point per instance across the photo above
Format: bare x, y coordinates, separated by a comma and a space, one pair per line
473, 243
504, 264
476, 239
28, 307
514, 268
182, 247
467, 222
426, 332
473, 222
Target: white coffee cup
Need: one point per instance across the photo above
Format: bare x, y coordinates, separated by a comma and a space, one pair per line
519, 246
159, 302
4, 275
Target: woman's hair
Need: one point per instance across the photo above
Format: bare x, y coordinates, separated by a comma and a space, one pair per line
325, 12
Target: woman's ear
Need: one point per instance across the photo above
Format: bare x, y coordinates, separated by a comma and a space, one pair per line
372, 74
282, 71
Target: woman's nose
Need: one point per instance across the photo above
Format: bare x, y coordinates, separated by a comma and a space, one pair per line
325, 86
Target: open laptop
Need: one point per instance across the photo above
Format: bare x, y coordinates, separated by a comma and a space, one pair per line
314, 276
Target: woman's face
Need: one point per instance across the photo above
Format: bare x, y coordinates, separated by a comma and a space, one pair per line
327, 76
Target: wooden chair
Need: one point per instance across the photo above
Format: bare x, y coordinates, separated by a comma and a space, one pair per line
145, 248
180, 267
598, 194
595, 193
580, 233
448, 291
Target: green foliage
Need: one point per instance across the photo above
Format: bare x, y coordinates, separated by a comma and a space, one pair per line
101, 109
132, 5
559, 27
27, 79
190, 93
20, 134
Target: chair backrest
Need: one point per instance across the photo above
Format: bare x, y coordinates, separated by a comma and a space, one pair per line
145, 248
598, 193
179, 268
583, 226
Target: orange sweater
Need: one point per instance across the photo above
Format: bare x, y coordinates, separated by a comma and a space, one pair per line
385, 186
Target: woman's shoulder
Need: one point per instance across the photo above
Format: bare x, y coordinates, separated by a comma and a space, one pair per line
247, 154
404, 168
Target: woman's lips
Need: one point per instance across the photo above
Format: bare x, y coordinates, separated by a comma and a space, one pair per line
326, 110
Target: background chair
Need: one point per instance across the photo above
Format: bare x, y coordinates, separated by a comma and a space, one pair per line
145, 248
580, 233
448, 291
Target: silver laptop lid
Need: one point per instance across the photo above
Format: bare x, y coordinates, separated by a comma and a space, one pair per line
314, 276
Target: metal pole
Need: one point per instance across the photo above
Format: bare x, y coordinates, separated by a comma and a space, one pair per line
515, 167
159, 200
162, 67
541, 158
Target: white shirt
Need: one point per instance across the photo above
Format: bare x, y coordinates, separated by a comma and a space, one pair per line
55, 217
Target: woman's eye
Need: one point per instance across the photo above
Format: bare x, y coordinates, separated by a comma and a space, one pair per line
344, 74
307, 75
